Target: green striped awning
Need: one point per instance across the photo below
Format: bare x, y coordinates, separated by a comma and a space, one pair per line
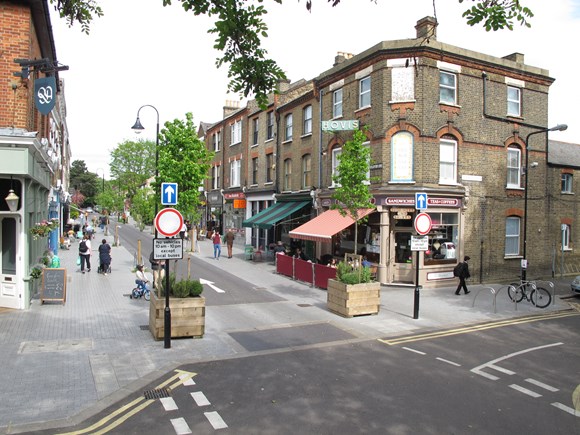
269, 217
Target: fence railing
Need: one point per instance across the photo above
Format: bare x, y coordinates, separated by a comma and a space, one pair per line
305, 271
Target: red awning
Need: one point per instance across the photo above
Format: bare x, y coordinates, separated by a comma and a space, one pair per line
326, 225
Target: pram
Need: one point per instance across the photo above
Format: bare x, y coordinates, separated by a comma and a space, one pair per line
100, 268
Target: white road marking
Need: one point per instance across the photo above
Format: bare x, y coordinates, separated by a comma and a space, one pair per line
413, 350
188, 381
566, 408
180, 426
215, 420
200, 398
448, 362
168, 403
210, 284
477, 370
525, 391
501, 369
542, 385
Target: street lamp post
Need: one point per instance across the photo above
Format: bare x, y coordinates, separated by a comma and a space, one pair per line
167, 318
103, 190
559, 127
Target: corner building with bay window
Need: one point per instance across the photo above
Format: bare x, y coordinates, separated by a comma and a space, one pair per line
440, 120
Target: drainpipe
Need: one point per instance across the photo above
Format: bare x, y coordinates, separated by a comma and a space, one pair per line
320, 142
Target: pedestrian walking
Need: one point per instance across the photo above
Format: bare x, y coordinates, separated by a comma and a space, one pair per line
217, 244
230, 237
104, 257
85, 253
462, 272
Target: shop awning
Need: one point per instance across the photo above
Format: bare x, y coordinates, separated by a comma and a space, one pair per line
269, 217
326, 225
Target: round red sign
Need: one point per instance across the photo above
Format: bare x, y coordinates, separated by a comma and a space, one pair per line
168, 222
423, 224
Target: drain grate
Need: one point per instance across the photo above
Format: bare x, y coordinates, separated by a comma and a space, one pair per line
126, 295
156, 394
304, 305
144, 327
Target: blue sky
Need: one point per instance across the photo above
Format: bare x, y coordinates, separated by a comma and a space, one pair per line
142, 53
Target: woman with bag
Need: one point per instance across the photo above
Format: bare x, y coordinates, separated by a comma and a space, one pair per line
85, 253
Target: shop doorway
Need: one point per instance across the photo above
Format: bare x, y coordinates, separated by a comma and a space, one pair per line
9, 292
403, 271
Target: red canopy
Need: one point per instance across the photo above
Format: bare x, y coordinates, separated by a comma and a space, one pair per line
326, 225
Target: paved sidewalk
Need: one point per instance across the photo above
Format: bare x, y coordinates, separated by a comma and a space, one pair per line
63, 362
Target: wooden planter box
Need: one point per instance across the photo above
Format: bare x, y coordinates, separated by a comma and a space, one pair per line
187, 317
349, 300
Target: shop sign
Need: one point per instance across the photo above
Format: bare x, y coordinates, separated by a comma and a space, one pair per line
239, 203
214, 198
402, 215
234, 195
340, 125
400, 201
443, 202
432, 202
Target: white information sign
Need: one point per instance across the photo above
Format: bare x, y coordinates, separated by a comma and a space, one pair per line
419, 243
168, 249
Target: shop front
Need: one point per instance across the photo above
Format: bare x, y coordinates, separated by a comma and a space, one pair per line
215, 202
233, 214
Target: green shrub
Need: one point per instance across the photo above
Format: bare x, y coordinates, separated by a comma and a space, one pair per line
352, 275
195, 288
184, 288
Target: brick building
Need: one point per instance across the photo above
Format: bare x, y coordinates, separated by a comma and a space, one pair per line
34, 148
442, 121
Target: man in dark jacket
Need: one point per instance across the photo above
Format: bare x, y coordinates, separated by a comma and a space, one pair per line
463, 275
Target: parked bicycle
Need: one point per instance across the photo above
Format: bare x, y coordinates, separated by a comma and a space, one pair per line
538, 296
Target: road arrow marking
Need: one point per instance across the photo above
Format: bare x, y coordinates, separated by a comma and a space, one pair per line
210, 284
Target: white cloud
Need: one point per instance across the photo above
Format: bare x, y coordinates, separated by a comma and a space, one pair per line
142, 53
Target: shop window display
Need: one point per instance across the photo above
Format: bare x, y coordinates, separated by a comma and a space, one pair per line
443, 239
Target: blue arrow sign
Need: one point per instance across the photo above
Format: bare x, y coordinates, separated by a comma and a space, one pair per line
169, 193
420, 201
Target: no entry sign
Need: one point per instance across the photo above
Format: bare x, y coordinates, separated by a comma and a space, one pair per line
168, 222
423, 224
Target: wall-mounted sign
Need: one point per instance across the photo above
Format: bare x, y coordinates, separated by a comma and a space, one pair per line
340, 125
239, 203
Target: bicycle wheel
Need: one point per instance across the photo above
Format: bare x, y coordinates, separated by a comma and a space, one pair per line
541, 297
147, 294
516, 292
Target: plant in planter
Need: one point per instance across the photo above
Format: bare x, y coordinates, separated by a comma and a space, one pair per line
187, 309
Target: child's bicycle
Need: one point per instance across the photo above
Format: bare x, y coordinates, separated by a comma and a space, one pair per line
140, 291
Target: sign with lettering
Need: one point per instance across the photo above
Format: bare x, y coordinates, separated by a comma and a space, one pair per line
168, 249
340, 125
53, 286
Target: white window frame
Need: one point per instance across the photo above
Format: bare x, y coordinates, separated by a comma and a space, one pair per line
337, 151
255, 165
305, 173
514, 171
216, 177
307, 120
288, 174
270, 168
513, 236
447, 161
514, 104
236, 132
567, 182
216, 141
235, 172
270, 125
337, 104
364, 92
447, 87
256, 130
566, 237
402, 157
288, 121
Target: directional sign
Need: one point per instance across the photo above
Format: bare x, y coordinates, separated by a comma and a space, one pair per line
168, 222
169, 193
423, 224
421, 201
168, 249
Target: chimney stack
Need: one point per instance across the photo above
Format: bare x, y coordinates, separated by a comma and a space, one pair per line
341, 57
427, 28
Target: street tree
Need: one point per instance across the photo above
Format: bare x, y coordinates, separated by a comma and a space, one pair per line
352, 193
81, 180
185, 160
239, 28
132, 164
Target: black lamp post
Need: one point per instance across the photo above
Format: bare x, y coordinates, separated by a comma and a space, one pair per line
167, 318
103, 178
559, 127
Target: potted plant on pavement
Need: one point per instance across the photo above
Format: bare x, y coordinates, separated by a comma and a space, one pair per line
353, 293
187, 307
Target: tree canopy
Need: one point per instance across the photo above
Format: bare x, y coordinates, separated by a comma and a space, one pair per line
239, 30
132, 163
84, 182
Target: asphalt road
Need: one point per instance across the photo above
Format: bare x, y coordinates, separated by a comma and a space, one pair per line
519, 378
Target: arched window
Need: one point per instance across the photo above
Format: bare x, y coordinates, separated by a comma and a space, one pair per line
514, 167
287, 174
447, 161
306, 171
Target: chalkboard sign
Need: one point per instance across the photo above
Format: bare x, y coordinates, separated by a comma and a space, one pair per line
53, 285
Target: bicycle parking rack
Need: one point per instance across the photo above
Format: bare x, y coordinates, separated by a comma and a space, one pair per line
494, 292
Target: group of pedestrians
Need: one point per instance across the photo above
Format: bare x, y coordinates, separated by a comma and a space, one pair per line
228, 239
85, 255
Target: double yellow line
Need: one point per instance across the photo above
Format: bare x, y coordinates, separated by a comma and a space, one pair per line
125, 412
480, 327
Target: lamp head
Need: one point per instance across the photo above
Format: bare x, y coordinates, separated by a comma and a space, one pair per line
559, 127
137, 126
12, 200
